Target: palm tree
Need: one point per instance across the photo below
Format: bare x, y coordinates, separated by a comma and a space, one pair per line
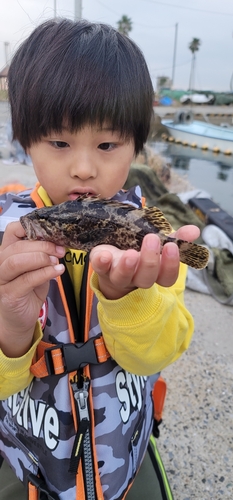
194, 47
124, 25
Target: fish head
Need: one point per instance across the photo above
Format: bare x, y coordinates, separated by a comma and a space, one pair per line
37, 226
60, 224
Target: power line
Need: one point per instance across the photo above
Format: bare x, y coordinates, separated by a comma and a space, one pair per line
169, 67
188, 8
134, 24
105, 6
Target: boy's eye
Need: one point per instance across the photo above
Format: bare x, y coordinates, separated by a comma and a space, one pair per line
60, 144
106, 146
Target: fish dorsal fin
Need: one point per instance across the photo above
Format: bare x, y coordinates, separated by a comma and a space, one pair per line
105, 201
155, 217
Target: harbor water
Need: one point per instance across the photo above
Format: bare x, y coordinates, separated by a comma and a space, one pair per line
205, 170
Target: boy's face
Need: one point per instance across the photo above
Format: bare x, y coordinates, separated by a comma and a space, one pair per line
92, 160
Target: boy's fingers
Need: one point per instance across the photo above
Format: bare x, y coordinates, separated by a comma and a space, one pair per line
188, 233
30, 247
19, 264
14, 232
116, 265
169, 266
14, 236
122, 270
100, 260
149, 263
29, 281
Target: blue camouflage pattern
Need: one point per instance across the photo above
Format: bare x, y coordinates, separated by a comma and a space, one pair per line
37, 429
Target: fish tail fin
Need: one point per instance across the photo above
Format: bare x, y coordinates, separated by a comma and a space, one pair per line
192, 254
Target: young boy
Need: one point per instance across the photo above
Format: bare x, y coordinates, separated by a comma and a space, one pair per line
81, 104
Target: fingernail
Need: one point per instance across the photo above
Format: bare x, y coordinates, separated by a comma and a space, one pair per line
153, 244
60, 250
130, 263
53, 259
172, 250
59, 267
103, 259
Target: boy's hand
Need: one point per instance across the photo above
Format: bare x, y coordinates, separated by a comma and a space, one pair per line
121, 271
26, 267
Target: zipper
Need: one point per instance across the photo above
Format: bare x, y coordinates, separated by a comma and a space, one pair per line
82, 448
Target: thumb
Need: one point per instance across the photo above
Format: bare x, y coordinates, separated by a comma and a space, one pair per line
14, 232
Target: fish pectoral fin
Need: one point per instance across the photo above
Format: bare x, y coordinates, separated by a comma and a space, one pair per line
156, 218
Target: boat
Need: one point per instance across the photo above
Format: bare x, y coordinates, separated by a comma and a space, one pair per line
195, 133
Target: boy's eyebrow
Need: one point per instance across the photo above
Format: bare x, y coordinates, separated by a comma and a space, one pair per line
108, 129
55, 132
99, 129
65, 128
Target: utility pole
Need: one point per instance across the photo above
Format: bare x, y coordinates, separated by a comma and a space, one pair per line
174, 55
192, 73
7, 45
55, 9
77, 10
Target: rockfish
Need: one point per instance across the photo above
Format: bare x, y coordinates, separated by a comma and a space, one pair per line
89, 221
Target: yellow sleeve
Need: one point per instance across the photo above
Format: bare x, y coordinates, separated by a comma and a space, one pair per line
15, 373
148, 329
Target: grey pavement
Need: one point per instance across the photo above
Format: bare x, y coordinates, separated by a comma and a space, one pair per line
196, 441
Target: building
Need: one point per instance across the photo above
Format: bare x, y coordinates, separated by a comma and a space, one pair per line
3, 77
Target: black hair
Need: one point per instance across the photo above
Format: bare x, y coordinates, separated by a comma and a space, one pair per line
79, 73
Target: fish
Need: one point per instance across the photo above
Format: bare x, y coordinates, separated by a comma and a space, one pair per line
88, 221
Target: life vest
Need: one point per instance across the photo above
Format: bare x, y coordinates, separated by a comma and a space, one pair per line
81, 428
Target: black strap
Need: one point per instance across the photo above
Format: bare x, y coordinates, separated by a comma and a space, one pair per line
41, 486
77, 322
83, 296
155, 429
70, 297
157, 472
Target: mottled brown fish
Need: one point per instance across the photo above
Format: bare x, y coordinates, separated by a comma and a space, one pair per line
83, 223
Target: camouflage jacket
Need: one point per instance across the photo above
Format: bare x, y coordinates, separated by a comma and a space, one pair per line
83, 432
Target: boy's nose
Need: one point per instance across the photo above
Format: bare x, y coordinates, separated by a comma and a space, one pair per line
83, 167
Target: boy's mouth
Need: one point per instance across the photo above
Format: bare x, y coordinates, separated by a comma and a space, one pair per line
76, 194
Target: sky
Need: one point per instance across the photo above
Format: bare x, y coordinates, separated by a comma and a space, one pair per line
156, 26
